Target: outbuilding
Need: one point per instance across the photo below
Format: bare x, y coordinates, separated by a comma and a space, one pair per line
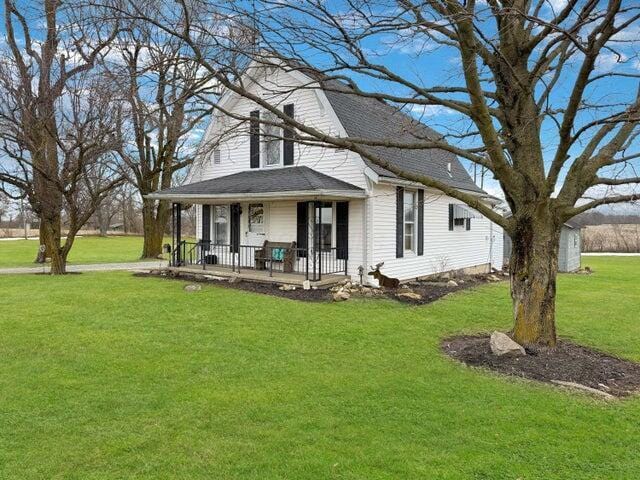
570, 247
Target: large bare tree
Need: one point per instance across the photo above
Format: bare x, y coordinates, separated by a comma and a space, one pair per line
544, 95
58, 124
167, 98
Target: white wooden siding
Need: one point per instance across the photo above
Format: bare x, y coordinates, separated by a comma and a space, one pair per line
443, 249
310, 107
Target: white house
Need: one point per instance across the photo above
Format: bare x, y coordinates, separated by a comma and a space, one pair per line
266, 203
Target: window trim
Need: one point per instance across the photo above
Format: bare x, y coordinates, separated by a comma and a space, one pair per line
214, 236
264, 219
414, 222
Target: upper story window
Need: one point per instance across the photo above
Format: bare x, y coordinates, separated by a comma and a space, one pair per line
272, 141
410, 206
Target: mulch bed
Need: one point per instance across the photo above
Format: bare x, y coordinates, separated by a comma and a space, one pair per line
429, 291
313, 295
568, 362
432, 290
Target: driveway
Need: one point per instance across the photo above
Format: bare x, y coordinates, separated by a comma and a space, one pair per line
97, 267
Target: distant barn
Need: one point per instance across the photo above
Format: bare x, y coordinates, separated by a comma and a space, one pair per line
570, 247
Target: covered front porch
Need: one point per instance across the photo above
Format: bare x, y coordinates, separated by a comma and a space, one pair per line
295, 228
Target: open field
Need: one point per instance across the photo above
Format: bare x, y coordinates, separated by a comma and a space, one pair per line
619, 238
112, 376
21, 253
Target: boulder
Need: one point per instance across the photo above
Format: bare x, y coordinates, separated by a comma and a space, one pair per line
452, 283
501, 344
215, 278
341, 295
192, 287
410, 295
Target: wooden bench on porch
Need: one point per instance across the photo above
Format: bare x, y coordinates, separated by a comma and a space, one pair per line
280, 252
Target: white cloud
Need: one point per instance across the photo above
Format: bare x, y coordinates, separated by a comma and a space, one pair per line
607, 62
430, 110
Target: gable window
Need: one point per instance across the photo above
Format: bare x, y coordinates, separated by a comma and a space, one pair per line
410, 221
256, 218
220, 221
272, 144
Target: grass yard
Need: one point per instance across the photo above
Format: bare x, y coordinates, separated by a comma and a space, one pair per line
21, 253
108, 376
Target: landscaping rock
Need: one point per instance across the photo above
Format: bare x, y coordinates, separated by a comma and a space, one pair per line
493, 278
306, 285
215, 277
584, 388
452, 283
410, 295
233, 279
287, 288
192, 288
501, 344
341, 295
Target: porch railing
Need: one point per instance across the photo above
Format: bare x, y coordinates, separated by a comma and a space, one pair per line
308, 262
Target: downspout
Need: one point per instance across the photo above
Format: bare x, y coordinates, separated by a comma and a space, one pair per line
365, 230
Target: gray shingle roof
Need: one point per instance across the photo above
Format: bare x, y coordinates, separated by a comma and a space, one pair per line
274, 180
374, 119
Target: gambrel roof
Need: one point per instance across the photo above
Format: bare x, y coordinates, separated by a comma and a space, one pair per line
373, 119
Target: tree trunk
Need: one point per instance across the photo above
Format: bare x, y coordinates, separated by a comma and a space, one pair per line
533, 269
154, 223
50, 229
41, 256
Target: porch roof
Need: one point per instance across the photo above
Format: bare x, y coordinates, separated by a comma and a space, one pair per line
286, 182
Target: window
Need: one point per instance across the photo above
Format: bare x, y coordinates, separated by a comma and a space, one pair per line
324, 227
220, 221
216, 156
272, 141
458, 222
409, 221
256, 218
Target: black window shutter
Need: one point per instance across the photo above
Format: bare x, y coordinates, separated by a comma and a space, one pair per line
342, 230
235, 227
302, 239
420, 222
287, 134
399, 222
468, 223
451, 216
206, 223
254, 140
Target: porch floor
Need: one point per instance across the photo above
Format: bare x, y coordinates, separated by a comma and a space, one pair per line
263, 276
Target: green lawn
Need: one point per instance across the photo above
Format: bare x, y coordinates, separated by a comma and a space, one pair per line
21, 253
108, 376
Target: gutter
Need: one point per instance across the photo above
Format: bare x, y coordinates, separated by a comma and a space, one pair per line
193, 198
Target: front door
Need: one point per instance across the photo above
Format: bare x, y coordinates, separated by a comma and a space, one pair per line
255, 234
